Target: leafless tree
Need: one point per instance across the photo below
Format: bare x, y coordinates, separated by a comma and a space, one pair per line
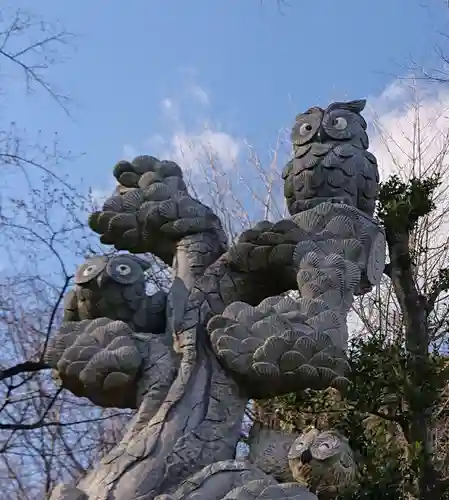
411, 305
45, 434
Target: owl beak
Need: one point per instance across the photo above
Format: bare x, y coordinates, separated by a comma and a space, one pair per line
101, 280
306, 456
319, 136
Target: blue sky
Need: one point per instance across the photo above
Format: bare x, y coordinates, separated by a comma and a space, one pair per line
181, 78
257, 67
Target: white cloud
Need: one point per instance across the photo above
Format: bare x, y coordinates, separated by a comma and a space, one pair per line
200, 94
409, 127
191, 150
193, 145
156, 141
170, 109
167, 104
409, 135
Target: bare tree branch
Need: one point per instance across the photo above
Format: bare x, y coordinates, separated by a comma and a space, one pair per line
26, 367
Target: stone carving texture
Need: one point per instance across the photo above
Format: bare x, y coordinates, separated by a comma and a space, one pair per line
331, 161
269, 448
114, 287
154, 210
102, 360
228, 329
262, 490
322, 460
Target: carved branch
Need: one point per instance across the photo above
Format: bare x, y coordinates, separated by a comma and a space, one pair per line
152, 210
216, 480
25, 367
284, 344
200, 418
106, 361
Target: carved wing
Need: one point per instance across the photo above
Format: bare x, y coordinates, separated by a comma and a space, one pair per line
71, 306
151, 315
368, 183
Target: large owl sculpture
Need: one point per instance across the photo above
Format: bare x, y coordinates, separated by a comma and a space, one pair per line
323, 461
330, 159
114, 288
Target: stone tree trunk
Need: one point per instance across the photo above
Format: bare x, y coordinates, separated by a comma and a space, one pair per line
232, 331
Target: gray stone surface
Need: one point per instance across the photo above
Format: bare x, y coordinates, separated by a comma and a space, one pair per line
269, 450
231, 332
262, 490
330, 159
216, 480
283, 344
114, 287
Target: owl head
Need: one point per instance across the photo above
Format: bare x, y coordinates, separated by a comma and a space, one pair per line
341, 121
98, 271
112, 287
322, 460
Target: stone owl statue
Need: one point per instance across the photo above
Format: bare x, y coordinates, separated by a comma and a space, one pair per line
268, 449
323, 461
330, 159
114, 288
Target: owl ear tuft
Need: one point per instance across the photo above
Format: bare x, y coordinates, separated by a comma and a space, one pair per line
355, 106
311, 111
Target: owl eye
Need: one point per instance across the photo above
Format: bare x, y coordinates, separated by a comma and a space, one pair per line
340, 123
305, 128
324, 446
123, 269
89, 270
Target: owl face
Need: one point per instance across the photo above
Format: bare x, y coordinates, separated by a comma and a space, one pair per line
303, 443
322, 459
339, 122
113, 287
120, 269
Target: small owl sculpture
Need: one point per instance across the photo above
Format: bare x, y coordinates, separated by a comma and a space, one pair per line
268, 449
114, 288
330, 159
322, 460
